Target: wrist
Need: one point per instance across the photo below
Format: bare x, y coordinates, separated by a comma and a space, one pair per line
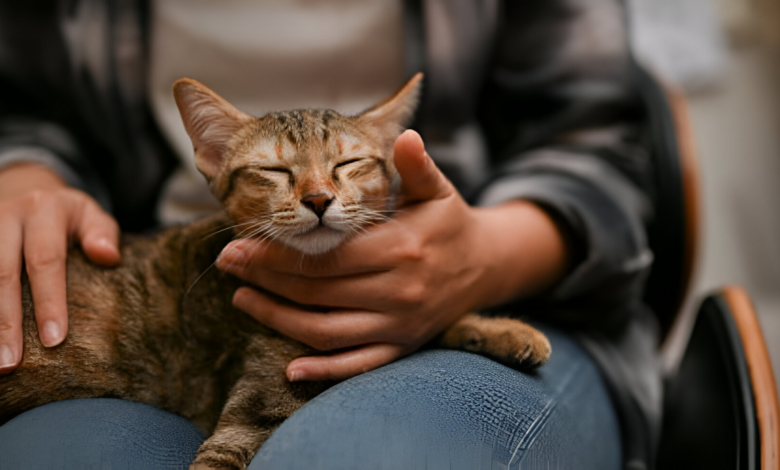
24, 177
522, 249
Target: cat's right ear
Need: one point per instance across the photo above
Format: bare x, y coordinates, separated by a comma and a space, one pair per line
395, 113
210, 121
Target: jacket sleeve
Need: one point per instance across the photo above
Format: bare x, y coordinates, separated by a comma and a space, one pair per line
566, 131
38, 121
25, 139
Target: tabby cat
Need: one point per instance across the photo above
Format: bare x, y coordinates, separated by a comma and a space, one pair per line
161, 328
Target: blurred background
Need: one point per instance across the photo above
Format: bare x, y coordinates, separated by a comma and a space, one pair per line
725, 56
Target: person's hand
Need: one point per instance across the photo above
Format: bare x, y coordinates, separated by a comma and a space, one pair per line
39, 217
385, 293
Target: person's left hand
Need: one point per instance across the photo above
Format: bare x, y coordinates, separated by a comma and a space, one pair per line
383, 294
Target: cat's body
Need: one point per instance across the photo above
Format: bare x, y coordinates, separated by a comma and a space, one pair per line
161, 328
147, 331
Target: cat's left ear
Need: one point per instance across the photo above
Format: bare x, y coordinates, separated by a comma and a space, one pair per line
395, 113
211, 122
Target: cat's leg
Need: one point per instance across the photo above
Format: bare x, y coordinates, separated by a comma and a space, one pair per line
506, 340
258, 403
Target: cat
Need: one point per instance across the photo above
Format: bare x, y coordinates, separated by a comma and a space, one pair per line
161, 328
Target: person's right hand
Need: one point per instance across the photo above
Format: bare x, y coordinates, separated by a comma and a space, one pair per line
39, 217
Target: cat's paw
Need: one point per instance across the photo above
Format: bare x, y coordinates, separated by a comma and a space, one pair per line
508, 341
203, 466
219, 459
523, 348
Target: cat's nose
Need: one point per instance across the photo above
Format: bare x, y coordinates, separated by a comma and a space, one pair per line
318, 203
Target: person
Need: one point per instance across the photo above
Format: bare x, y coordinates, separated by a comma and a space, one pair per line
529, 112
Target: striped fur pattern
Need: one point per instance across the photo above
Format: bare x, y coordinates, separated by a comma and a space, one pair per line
307, 178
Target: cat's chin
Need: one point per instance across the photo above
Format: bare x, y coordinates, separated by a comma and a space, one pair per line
317, 241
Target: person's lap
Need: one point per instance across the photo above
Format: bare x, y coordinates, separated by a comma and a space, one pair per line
435, 409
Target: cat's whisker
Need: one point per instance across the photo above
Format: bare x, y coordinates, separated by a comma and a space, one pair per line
200, 277
229, 227
259, 227
249, 229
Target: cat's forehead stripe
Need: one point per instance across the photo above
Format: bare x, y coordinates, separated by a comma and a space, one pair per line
265, 148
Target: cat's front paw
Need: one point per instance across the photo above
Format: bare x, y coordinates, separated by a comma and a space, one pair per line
203, 466
216, 458
508, 341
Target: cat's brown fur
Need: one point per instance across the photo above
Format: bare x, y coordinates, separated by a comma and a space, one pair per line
154, 330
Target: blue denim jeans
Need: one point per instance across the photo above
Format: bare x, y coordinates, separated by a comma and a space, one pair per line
433, 410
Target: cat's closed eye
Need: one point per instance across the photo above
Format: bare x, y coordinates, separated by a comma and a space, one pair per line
348, 162
280, 172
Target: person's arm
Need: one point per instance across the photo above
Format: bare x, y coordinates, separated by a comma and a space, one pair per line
567, 130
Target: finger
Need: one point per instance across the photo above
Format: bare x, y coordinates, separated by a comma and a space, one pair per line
10, 295
246, 258
45, 251
421, 180
364, 292
343, 365
98, 234
322, 331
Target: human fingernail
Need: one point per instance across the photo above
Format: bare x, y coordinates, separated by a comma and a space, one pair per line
51, 334
106, 243
294, 375
7, 358
231, 255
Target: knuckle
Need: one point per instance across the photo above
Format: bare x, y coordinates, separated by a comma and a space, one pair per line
8, 277
412, 249
36, 198
6, 326
44, 260
413, 294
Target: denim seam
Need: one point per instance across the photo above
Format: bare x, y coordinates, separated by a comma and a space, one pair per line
533, 430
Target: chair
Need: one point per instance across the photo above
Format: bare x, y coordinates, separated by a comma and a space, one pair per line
721, 406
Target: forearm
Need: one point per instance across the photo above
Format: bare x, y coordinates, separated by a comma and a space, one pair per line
523, 249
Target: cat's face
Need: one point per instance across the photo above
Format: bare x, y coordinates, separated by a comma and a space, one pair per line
307, 178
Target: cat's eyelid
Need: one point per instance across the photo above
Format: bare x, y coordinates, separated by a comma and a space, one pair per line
347, 162
276, 169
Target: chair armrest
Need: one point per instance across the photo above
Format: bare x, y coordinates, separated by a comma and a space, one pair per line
761, 376
721, 405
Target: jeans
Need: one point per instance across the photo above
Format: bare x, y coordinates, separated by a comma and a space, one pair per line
433, 410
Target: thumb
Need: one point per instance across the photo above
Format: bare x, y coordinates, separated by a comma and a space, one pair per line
421, 180
98, 234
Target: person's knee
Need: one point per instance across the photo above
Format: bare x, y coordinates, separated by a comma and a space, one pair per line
98, 433
433, 405
456, 410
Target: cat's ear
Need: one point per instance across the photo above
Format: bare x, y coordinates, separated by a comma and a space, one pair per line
210, 121
396, 112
